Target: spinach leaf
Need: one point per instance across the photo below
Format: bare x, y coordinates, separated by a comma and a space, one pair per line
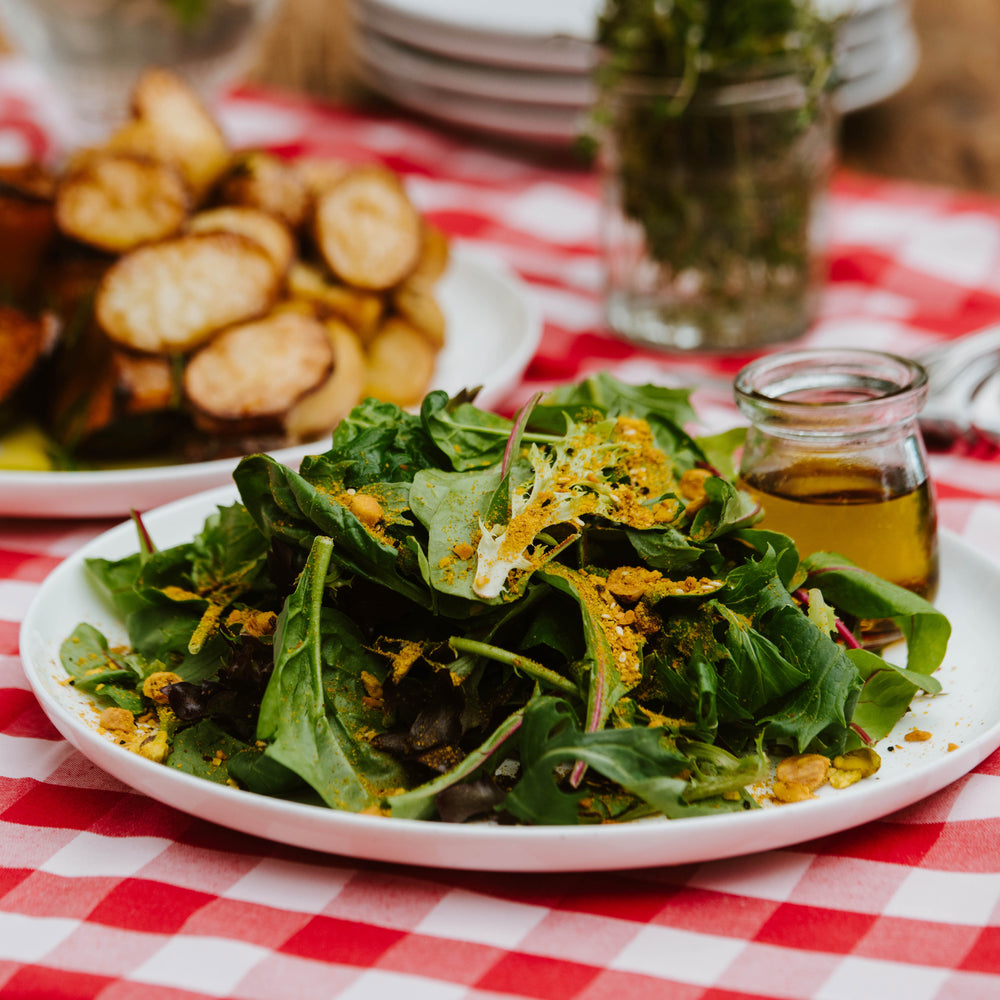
471, 438
86, 657
286, 505
637, 759
293, 719
857, 592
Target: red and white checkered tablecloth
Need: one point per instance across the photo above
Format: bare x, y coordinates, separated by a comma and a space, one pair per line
107, 894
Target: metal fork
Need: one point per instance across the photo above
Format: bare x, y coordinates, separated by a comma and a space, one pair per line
958, 372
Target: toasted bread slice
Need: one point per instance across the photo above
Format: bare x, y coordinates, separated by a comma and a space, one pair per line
170, 297
367, 230
118, 201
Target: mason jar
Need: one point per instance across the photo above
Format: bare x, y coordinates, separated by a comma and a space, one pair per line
835, 457
712, 226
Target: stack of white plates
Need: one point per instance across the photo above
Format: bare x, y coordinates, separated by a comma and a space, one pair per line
522, 68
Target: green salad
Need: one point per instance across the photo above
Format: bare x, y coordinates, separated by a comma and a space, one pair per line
564, 618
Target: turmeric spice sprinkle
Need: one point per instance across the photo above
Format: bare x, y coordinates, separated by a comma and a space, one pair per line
567, 617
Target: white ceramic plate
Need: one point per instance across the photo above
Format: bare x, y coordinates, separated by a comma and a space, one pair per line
899, 62
554, 35
493, 330
966, 715
532, 122
497, 83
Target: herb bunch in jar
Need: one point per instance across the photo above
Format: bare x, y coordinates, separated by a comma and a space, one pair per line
716, 139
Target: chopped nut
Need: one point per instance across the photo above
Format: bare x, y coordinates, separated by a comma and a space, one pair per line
692, 488
809, 770
366, 509
630, 583
153, 685
864, 760
792, 791
117, 720
155, 748
842, 779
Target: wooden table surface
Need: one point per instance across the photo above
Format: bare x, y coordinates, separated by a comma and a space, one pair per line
943, 127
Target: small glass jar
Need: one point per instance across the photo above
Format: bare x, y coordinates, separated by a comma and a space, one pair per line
835, 457
712, 231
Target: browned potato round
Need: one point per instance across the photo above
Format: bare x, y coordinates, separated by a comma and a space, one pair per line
320, 411
272, 234
415, 302
435, 252
117, 201
171, 123
360, 309
400, 363
251, 375
169, 297
367, 229
259, 179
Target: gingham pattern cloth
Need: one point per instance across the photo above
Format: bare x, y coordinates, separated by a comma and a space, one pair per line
107, 894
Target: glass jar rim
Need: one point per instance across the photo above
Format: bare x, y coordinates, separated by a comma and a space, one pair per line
774, 91
829, 388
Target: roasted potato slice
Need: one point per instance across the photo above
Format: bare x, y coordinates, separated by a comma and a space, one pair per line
170, 297
252, 374
320, 411
259, 179
118, 201
272, 234
367, 230
360, 310
415, 302
171, 123
320, 173
435, 252
400, 363
24, 340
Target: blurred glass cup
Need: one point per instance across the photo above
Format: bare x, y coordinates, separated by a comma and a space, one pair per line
94, 50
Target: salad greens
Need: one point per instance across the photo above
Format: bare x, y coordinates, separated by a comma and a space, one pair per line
564, 618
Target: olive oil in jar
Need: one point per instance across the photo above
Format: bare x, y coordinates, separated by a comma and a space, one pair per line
835, 458
889, 529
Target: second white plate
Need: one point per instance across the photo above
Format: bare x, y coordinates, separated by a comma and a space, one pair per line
493, 328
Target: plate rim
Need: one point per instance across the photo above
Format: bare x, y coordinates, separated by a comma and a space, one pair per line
472, 846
